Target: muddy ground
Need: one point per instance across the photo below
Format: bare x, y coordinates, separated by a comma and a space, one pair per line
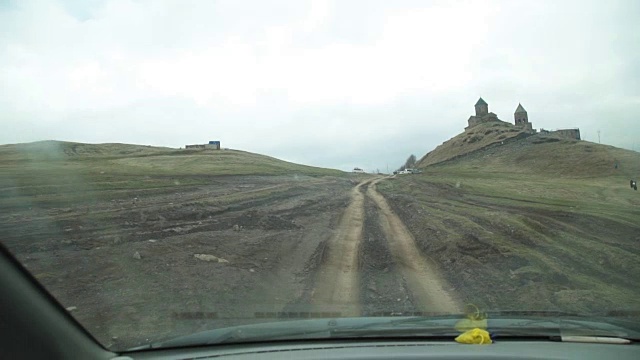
125, 265
139, 252
143, 265
380, 274
523, 257
171, 262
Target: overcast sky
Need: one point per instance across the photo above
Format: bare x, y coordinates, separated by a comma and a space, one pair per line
329, 83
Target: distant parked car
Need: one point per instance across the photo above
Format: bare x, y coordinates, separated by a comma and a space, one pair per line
358, 170
408, 171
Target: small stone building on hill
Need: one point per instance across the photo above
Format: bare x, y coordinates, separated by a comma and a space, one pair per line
482, 108
522, 118
482, 114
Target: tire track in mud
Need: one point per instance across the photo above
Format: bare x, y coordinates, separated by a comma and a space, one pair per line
383, 290
337, 284
426, 286
408, 281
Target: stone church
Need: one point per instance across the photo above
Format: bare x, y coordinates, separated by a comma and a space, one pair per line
521, 120
483, 115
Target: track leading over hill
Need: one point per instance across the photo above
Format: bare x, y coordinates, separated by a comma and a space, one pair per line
340, 278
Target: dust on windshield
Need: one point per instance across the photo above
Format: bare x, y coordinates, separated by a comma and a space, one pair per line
172, 168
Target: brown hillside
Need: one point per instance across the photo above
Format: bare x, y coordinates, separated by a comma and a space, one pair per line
476, 138
550, 156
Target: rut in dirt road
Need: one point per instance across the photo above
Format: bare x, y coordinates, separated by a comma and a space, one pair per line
337, 287
425, 284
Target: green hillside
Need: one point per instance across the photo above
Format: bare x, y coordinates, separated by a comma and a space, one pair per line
550, 156
546, 171
535, 223
147, 160
46, 169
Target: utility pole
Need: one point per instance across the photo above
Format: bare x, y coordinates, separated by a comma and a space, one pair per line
598, 136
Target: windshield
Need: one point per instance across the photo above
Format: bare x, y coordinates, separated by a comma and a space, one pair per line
172, 168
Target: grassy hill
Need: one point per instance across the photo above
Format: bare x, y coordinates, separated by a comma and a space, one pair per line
148, 160
546, 170
471, 140
549, 156
44, 169
534, 223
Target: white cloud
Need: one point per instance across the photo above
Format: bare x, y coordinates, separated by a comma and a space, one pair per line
343, 77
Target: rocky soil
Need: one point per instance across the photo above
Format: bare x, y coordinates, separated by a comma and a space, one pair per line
140, 266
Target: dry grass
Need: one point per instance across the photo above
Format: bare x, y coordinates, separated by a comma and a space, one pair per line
62, 172
476, 138
537, 223
144, 160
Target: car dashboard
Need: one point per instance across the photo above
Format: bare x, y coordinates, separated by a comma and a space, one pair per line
362, 350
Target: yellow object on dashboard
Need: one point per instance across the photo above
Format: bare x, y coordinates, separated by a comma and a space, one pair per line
475, 336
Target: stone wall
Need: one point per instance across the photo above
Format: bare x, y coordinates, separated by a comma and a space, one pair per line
563, 133
523, 123
475, 120
204, 146
568, 133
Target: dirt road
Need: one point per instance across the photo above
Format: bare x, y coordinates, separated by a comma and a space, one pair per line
337, 285
290, 246
339, 279
420, 272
